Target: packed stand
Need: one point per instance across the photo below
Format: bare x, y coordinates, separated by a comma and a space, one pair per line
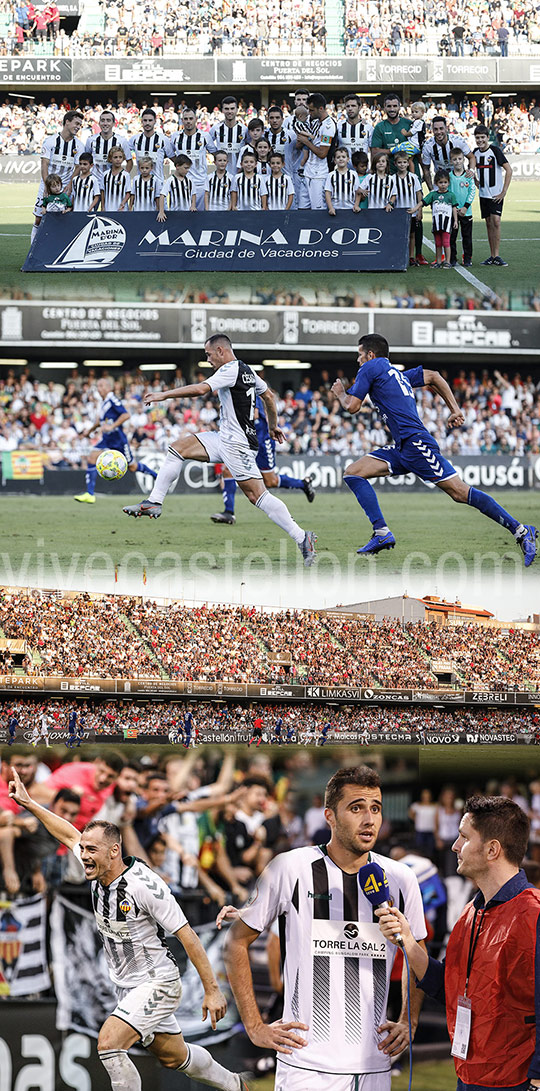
509, 660
502, 416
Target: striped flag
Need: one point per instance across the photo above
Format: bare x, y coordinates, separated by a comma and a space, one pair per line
23, 952
22, 465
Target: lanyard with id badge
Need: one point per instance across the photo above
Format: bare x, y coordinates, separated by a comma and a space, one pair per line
462, 1031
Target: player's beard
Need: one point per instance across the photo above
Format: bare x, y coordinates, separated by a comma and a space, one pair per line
354, 843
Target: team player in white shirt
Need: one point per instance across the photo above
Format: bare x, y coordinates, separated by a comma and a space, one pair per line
190, 141
100, 145
319, 142
334, 1035
235, 444
134, 909
59, 155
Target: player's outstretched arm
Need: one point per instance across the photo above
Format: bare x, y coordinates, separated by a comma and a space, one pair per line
436, 381
214, 1003
62, 830
193, 391
279, 1036
271, 413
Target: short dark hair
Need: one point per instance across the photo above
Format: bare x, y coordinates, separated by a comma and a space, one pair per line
361, 775
274, 153
389, 96
301, 91
215, 337
481, 129
439, 118
111, 832
275, 110
179, 160
86, 157
359, 157
256, 780
149, 110
228, 100
317, 100
375, 342
351, 98
255, 123
19, 750
108, 112
500, 819
67, 796
112, 759
71, 114
250, 151
441, 175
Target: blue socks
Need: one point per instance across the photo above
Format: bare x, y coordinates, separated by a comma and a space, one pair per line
90, 478
367, 498
144, 469
286, 482
488, 506
229, 490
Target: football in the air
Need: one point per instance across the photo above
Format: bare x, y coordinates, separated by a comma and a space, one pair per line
111, 465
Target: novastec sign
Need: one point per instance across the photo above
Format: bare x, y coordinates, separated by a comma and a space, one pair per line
259, 241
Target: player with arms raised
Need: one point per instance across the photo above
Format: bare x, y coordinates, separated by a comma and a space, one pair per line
112, 418
235, 444
334, 1034
416, 450
133, 909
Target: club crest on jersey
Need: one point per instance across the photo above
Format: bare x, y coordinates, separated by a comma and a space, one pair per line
124, 906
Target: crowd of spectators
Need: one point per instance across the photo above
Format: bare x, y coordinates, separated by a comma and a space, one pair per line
136, 638
501, 409
23, 126
222, 718
161, 28
433, 28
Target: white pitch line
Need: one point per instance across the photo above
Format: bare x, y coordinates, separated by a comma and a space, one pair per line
469, 277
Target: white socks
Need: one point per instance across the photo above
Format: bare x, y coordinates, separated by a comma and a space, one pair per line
276, 510
122, 1072
167, 476
200, 1065
33, 233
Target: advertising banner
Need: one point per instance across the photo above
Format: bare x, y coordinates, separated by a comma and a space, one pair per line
215, 241
20, 168
35, 69
149, 71
300, 71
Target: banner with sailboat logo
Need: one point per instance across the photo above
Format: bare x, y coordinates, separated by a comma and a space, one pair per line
211, 241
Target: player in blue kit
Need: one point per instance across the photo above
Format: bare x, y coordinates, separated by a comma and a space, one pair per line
266, 461
276, 738
13, 724
324, 732
112, 417
74, 732
415, 450
188, 728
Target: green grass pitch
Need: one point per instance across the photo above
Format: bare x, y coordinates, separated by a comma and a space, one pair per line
520, 247
427, 1076
38, 533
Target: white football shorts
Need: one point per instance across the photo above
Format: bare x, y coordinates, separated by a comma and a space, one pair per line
150, 1008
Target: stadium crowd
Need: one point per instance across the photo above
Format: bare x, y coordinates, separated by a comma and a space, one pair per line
134, 28
300, 723
24, 127
243, 644
502, 416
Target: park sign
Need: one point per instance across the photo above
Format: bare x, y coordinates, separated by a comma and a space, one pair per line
215, 241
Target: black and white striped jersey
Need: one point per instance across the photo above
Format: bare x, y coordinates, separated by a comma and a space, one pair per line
322, 135
100, 148
237, 386
227, 138
408, 190
177, 193
219, 192
379, 189
250, 192
342, 187
438, 155
145, 191
133, 914
83, 191
355, 138
336, 964
156, 147
489, 171
62, 155
193, 145
278, 191
115, 187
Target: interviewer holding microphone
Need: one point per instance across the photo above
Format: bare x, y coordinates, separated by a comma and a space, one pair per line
490, 979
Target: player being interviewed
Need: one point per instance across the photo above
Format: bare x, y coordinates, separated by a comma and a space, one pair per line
235, 444
334, 1034
133, 908
415, 450
112, 418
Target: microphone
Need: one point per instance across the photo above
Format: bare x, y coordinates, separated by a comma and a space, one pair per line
374, 884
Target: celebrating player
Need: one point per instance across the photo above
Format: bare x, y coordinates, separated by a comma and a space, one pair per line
266, 461
112, 418
415, 451
334, 1031
133, 907
234, 444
